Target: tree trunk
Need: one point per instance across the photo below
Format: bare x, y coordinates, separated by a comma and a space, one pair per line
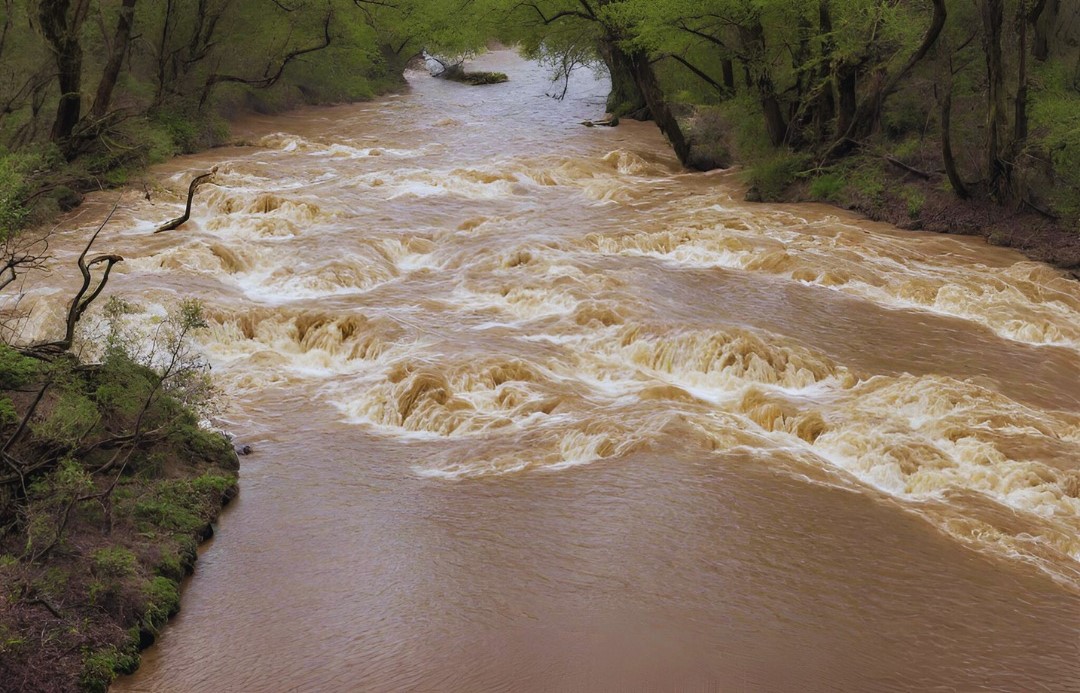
61, 23
947, 156
111, 73
649, 89
625, 99
753, 39
1045, 17
163, 54
775, 124
826, 103
993, 12
847, 96
868, 112
1020, 122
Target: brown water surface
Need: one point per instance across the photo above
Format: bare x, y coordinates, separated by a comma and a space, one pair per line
534, 409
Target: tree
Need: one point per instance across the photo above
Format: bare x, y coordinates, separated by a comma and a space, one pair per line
61, 22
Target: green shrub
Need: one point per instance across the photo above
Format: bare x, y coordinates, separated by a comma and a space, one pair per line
73, 417
1055, 121
114, 562
171, 566
162, 601
101, 667
15, 185
915, 200
772, 176
16, 370
749, 136
8, 415
866, 184
827, 187
904, 116
907, 149
170, 510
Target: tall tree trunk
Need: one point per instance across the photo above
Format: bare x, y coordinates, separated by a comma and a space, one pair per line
773, 112
61, 22
947, 156
1020, 118
164, 58
993, 13
826, 105
847, 83
121, 40
868, 112
649, 89
1044, 18
753, 39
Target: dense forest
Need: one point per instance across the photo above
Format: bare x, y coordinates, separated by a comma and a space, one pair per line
980, 96
960, 115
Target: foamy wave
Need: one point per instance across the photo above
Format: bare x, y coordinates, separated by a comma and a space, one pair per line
266, 340
555, 449
722, 360
454, 400
1026, 302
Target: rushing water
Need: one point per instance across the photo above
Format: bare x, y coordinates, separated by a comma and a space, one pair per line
534, 409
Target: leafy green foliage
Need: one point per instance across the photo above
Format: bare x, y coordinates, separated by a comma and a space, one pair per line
771, 177
114, 562
162, 601
72, 418
827, 187
182, 505
1055, 119
16, 184
101, 667
16, 370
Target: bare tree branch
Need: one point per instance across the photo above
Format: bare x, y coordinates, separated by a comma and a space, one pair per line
270, 80
195, 184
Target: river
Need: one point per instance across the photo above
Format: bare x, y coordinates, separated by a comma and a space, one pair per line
533, 409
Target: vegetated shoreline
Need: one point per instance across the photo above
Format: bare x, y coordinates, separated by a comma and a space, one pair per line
911, 202
81, 618
98, 570
910, 195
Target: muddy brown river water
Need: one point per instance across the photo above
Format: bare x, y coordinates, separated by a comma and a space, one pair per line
536, 410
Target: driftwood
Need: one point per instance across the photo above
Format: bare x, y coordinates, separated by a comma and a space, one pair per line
196, 183
607, 123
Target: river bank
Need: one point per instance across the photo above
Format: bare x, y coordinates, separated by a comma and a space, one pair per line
93, 570
902, 184
911, 201
118, 544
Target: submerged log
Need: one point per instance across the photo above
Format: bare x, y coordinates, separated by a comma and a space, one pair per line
196, 183
606, 123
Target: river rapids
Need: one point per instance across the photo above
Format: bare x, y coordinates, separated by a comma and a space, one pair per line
535, 409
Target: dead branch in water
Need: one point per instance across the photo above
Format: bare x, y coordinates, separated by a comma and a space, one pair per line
81, 302
196, 183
